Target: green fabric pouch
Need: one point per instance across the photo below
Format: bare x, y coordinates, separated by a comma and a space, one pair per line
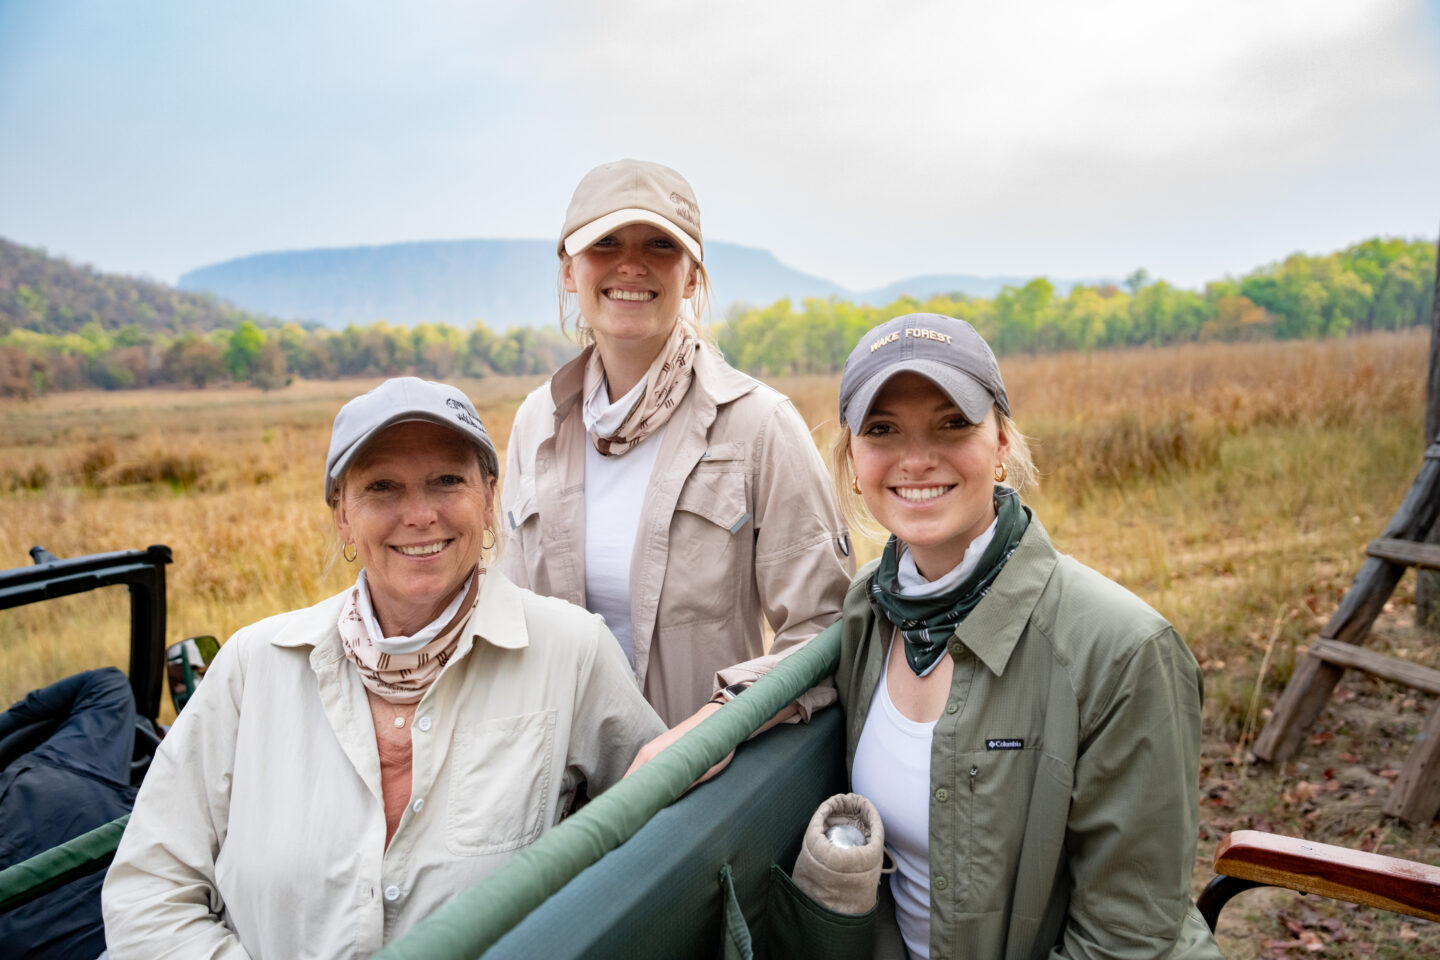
796, 927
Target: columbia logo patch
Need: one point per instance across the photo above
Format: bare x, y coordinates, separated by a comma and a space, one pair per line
1005, 743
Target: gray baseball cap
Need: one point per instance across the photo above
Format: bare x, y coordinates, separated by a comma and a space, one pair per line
616, 194
942, 349
401, 400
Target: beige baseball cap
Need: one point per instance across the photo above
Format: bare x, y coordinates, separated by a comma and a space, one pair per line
614, 195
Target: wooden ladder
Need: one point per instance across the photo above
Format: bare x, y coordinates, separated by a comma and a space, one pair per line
1416, 795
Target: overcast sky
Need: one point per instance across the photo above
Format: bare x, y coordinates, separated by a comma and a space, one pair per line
864, 142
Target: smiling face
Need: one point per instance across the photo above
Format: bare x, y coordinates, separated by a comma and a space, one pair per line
630, 285
416, 504
925, 472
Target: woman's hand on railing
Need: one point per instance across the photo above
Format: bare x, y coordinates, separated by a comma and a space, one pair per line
653, 749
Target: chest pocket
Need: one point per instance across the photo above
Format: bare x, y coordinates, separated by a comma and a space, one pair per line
499, 783
711, 539
1015, 802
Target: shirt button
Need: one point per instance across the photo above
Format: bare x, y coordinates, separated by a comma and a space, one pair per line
951, 707
424, 724
942, 794
392, 893
940, 884
418, 805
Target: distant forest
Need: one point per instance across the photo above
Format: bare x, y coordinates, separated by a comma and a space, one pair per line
1379, 284
67, 327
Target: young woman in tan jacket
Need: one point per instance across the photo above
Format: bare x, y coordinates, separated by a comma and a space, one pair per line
651, 482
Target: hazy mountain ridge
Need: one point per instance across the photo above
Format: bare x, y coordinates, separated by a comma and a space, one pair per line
502, 282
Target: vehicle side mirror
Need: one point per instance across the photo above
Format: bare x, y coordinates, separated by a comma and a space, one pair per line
185, 663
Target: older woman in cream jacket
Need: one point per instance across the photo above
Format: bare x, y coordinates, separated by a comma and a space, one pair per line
344, 769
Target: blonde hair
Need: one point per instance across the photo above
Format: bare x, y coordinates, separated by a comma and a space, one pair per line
570, 305
1020, 473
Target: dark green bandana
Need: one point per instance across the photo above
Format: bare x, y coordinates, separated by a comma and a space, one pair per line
928, 623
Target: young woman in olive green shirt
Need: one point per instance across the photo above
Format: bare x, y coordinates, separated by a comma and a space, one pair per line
1028, 730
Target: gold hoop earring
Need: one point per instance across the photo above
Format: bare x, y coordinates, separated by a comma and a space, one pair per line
855, 485
493, 540
349, 552
1001, 472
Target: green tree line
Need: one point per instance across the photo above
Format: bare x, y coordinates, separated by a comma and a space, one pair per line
32, 363
1379, 284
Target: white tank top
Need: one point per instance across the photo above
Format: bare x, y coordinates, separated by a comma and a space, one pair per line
892, 768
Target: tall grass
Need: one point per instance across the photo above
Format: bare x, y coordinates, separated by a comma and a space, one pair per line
1228, 485
231, 480
1232, 487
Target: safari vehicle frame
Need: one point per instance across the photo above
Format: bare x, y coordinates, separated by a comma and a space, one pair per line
143, 571
643, 871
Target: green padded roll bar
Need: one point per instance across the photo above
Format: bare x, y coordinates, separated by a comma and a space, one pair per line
75, 858
477, 917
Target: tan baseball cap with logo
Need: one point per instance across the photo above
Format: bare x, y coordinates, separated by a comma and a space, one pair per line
614, 195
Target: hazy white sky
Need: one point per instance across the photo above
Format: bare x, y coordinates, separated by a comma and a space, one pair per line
859, 141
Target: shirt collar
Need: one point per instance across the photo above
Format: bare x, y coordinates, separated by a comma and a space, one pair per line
602, 417
715, 378
910, 582
993, 628
498, 619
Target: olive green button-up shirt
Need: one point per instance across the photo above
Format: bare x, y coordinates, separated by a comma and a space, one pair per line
1063, 770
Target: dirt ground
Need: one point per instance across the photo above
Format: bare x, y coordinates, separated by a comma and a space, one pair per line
1331, 791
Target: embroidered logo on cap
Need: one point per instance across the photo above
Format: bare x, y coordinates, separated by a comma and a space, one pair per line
462, 414
685, 210
1005, 743
911, 333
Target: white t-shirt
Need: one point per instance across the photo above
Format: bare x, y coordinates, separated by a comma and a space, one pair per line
614, 495
892, 765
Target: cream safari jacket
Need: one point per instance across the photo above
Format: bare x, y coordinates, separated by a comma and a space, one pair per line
260, 832
1064, 768
739, 526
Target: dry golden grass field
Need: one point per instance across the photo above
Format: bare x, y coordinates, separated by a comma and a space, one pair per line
1232, 486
